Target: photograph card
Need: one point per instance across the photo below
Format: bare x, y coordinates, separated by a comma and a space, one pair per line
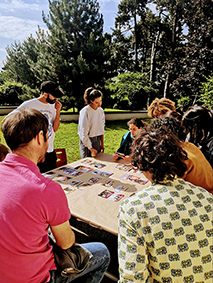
105, 194
121, 188
107, 183
115, 197
94, 180
106, 174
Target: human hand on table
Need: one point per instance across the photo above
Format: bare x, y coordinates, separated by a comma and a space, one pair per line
93, 151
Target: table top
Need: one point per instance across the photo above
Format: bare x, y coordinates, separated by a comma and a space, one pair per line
85, 202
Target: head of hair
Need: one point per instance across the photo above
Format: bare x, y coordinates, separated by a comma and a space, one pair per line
20, 127
172, 124
198, 124
158, 151
91, 94
137, 122
174, 114
4, 150
160, 106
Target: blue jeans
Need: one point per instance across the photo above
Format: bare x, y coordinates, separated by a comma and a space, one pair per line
94, 272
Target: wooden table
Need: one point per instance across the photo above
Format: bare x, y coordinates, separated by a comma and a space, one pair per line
93, 217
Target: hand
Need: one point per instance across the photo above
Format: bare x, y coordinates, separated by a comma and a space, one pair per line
102, 148
93, 151
127, 158
115, 156
58, 106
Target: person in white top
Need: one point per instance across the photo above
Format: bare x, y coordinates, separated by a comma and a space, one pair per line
47, 103
91, 124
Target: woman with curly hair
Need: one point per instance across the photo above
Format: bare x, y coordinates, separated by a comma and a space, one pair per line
160, 106
198, 124
163, 228
199, 171
91, 124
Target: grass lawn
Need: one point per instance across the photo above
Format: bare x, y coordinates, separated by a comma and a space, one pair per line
67, 137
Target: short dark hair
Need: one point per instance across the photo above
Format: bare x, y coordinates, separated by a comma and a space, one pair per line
91, 94
137, 122
21, 126
158, 151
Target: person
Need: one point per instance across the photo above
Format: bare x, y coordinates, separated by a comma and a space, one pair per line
134, 125
160, 106
49, 105
91, 124
165, 230
199, 171
30, 203
4, 150
198, 124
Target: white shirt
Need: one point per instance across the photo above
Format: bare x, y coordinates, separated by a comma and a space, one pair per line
48, 110
91, 124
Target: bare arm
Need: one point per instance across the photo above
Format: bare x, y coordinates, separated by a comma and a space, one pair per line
64, 235
56, 123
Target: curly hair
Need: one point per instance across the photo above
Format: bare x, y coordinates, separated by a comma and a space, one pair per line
160, 106
172, 124
158, 151
198, 124
91, 94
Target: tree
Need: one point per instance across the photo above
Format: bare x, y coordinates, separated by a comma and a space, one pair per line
206, 91
197, 61
132, 90
76, 48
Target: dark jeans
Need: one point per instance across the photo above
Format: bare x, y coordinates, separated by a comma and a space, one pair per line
94, 272
49, 163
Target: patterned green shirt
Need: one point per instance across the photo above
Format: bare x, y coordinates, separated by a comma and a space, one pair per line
166, 235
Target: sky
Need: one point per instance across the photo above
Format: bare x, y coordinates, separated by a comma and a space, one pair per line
20, 18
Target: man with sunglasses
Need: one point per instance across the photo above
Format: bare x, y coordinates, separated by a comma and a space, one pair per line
47, 103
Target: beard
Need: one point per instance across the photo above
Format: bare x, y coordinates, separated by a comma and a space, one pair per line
50, 101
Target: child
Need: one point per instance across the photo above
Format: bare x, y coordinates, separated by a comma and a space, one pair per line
124, 150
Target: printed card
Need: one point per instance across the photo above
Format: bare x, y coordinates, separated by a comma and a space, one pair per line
93, 180
121, 188
107, 183
69, 189
106, 174
98, 164
75, 183
97, 172
106, 194
115, 197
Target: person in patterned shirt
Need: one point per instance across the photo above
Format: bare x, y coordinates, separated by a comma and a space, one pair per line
165, 232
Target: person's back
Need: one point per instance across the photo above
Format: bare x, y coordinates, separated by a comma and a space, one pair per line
24, 218
199, 171
165, 230
166, 234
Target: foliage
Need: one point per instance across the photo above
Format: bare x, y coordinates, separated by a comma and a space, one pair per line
12, 93
132, 90
206, 90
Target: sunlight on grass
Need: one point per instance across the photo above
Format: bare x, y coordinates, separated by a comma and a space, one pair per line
67, 137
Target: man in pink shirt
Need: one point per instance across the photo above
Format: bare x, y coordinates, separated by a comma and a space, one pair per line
30, 203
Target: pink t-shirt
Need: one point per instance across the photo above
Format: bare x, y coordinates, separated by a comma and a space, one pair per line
29, 202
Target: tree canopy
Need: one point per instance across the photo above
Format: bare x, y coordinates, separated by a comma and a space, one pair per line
167, 48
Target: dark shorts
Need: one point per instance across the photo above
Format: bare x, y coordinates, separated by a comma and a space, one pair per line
96, 144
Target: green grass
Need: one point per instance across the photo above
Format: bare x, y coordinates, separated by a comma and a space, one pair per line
67, 137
